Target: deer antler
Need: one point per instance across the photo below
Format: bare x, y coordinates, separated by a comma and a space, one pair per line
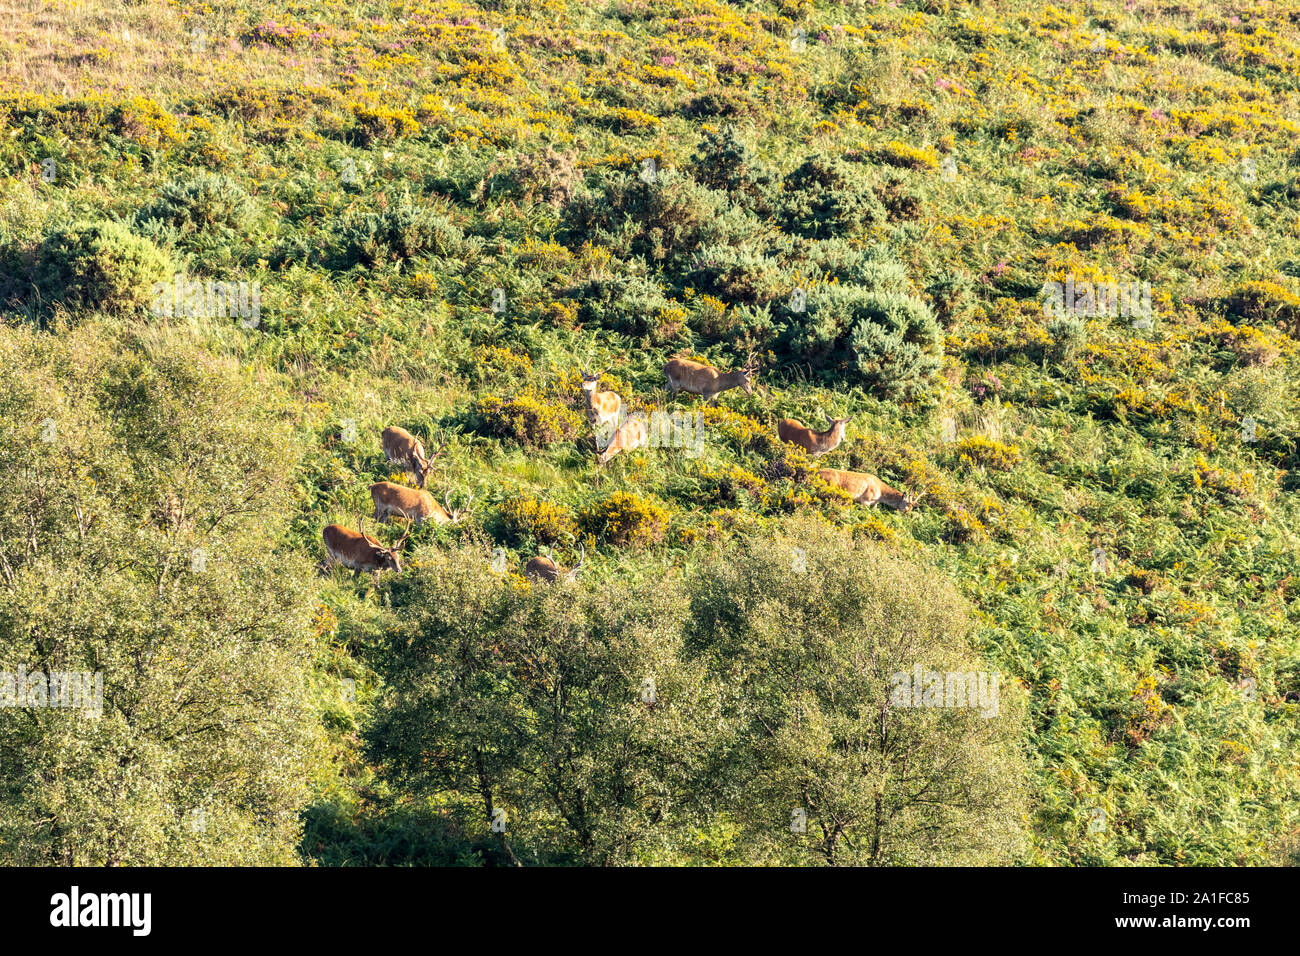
582, 548
402, 540
456, 514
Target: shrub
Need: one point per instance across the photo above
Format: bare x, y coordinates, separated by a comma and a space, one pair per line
903, 156
403, 231
201, 202
953, 296
896, 344
978, 450
661, 222
99, 265
381, 124
624, 520
546, 175
721, 161
528, 419
827, 197
1069, 333
887, 340
625, 303
1261, 302
524, 519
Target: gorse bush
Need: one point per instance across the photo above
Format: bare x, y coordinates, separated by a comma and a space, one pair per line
99, 265
201, 202
624, 520
528, 519
825, 197
528, 419
402, 232
887, 340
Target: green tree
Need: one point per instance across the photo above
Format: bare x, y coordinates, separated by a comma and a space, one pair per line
138, 534
561, 712
807, 631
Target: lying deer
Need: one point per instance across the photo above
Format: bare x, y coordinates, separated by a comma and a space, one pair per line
631, 434
545, 569
412, 504
603, 408
687, 376
403, 448
867, 489
360, 552
815, 443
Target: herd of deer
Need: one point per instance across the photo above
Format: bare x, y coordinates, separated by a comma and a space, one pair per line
358, 552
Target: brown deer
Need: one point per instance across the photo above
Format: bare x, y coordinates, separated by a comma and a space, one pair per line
603, 408
815, 443
412, 504
687, 376
545, 569
867, 489
360, 552
403, 448
631, 434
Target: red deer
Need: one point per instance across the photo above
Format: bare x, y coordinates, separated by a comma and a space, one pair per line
867, 489
815, 443
603, 408
403, 448
358, 551
687, 376
412, 504
631, 434
545, 569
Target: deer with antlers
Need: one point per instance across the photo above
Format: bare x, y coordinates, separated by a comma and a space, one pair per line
403, 448
413, 504
867, 489
544, 568
815, 443
687, 376
359, 552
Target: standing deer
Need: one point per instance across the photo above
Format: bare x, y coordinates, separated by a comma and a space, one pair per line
403, 448
411, 503
360, 552
687, 376
815, 443
545, 569
867, 489
603, 408
631, 434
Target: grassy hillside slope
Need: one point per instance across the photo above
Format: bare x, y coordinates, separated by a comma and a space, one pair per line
451, 210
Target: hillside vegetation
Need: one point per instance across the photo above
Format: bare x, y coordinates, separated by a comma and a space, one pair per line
238, 241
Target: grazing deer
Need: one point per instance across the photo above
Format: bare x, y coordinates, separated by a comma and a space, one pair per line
687, 376
631, 434
545, 569
360, 552
815, 443
867, 489
412, 504
603, 408
403, 448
